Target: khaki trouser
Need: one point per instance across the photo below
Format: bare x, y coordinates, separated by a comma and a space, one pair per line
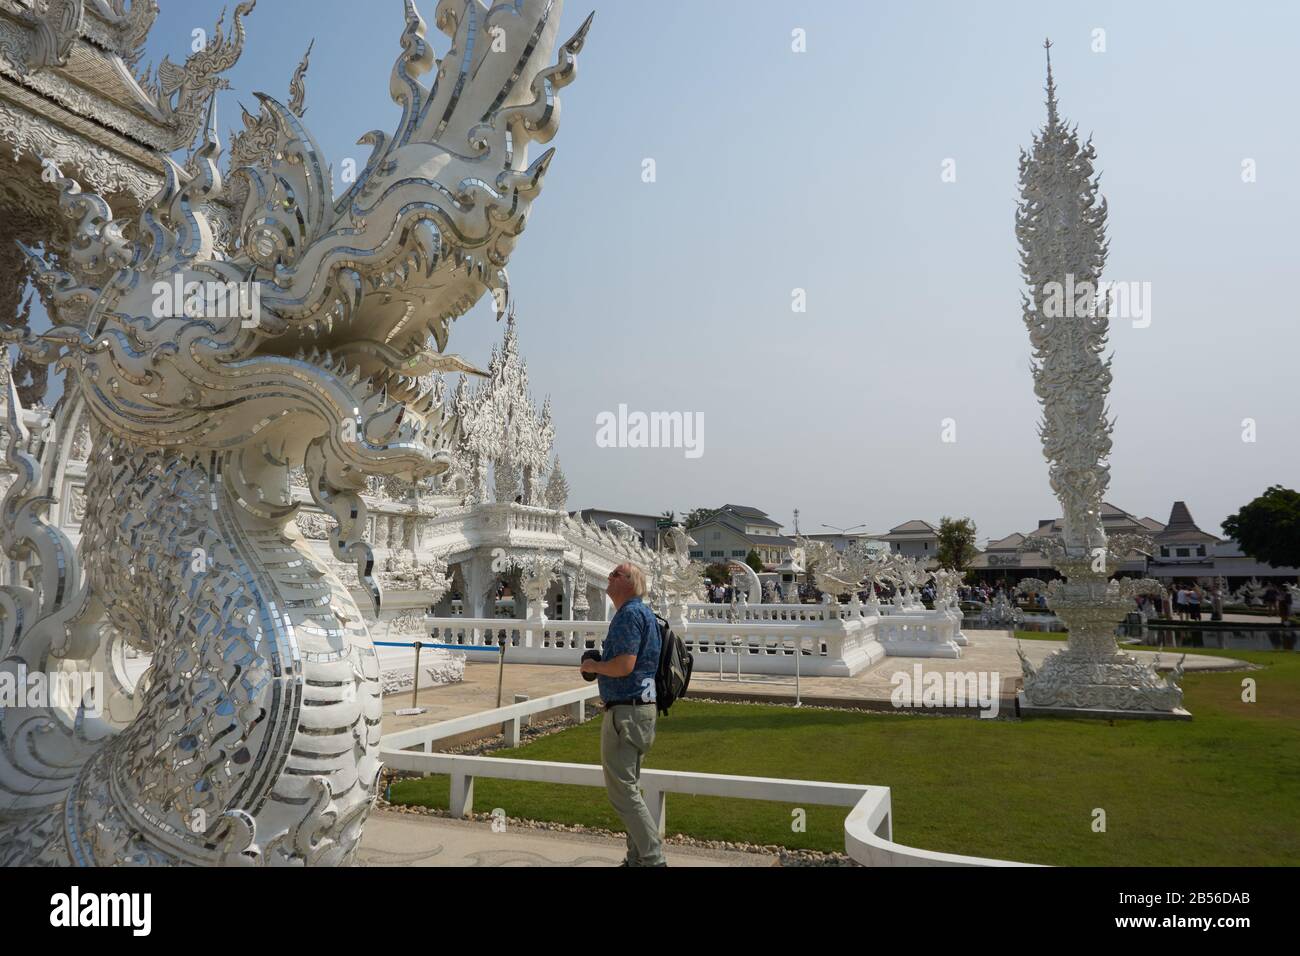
626, 735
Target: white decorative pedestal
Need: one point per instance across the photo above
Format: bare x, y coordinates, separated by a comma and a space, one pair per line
1092, 677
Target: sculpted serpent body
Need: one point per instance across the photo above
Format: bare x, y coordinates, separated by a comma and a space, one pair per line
252, 737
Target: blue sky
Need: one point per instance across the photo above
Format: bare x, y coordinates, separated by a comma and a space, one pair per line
821, 170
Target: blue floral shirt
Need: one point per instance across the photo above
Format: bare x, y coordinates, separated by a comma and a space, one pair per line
633, 630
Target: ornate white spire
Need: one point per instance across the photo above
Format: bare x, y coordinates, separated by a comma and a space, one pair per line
1061, 226
557, 488
499, 422
1053, 119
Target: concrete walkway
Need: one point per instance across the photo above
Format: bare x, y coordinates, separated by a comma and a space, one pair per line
478, 692
988, 651
408, 839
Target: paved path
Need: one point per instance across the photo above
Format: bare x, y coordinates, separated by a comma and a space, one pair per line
989, 651
478, 692
407, 839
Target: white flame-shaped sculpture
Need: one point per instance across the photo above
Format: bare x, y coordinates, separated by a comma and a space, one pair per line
1061, 226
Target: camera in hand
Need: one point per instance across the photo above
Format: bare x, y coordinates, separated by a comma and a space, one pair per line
591, 655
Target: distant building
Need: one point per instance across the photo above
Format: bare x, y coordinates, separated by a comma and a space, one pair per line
1184, 551
1237, 567
1180, 551
1002, 559
732, 531
914, 539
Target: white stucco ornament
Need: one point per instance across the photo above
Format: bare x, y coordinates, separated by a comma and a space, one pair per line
1061, 227
253, 738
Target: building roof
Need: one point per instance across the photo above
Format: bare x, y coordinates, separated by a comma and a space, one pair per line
1112, 519
587, 512
1010, 543
735, 517
911, 529
1182, 529
749, 513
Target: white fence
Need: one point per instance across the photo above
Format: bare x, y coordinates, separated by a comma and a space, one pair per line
527, 641
513, 716
832, 640
868, 828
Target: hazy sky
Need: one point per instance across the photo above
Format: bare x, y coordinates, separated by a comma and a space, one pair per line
821, 170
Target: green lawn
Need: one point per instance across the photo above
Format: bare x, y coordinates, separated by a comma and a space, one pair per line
1041, 635
1222, 789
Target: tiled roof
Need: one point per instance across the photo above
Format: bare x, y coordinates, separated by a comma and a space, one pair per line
1012, 541
745, 511
1181, 527
915, 526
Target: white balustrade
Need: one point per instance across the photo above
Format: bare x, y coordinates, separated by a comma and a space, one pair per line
528, 641
919, 633
868, 828
834, 640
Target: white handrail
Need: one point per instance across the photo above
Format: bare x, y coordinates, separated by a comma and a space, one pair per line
426, 735
868, 828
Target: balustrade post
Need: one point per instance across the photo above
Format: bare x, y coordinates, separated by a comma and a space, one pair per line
462, 795
512, 731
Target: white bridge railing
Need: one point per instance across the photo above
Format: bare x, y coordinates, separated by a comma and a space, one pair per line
868, 828
832, 640
527, 641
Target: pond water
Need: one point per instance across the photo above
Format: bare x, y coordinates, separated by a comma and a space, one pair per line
1278, 639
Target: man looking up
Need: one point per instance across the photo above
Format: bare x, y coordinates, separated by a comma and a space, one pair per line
626, 672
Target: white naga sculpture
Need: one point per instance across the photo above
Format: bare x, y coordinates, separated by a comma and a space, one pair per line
677, 579
1061, 226
254, 739
837, 572
909, 575
946, 584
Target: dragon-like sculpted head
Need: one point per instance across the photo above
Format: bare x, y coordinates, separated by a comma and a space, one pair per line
248, 324
303, 336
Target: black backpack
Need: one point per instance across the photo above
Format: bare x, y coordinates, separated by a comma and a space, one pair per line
675, 666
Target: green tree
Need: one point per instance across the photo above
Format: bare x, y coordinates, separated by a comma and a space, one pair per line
956, 543
1268, 529
717, 573
697, 516
754, 561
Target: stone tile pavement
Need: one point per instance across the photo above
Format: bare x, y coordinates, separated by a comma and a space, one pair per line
408, 839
